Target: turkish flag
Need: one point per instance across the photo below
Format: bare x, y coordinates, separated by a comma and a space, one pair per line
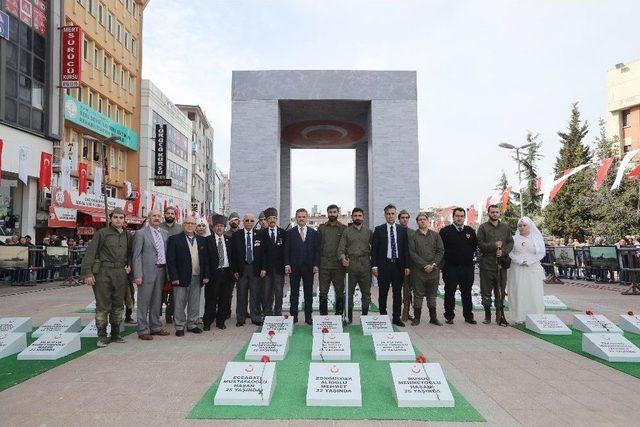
505, 198
472, 214
82, 178
136, 201
602, 172
45, 170
635, 172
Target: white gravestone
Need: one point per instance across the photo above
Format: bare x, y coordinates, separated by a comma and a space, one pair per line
275, 346
286, 303
59, 324
630, 323
246, 384
393, 346
331, 322
610, 347
278, 324
91, 331
552, 302
51, 346
546, 324
594, 323
375, 323
331, 346
12, 343
476, 300
420, 385
91, 306
15, 324
357, 299
334, 384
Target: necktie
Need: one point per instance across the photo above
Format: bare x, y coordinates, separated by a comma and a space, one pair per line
191, 239
273, 236
249, 249
459, 228
394, 249
157, 242
302, 233
220, 253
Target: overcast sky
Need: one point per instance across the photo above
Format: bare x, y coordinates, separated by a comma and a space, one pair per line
488, 71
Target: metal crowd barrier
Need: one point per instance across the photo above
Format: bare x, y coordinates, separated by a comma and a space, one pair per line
46, 264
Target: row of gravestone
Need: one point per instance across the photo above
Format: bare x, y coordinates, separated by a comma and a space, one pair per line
551, 302
56, 338
600, 338
253, 382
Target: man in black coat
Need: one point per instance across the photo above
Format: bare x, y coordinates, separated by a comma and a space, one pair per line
302, 260
272, 270
217, 305
246, 250
188, 270
390, 261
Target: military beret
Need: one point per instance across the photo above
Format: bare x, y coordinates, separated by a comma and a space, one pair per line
270, 212
219, 219
234, 215
261, 215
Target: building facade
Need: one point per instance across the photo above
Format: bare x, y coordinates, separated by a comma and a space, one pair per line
623, 105
30, 108
157, 109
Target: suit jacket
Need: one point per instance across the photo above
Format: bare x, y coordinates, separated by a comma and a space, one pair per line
302, 256
273, 252
212, 249
379, 242
239, 250
179, 259
145, 256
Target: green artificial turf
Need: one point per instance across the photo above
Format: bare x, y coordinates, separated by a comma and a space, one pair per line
14, 371
573, 343
289, 398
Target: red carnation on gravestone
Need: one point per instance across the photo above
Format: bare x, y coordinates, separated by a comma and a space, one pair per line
630, 313
286, 316
325, 330
421, 359
265, 359
589, 312
271, 333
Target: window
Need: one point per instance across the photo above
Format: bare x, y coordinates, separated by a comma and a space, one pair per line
81, 2
100, 104
105, 65
121, 160
96, 58
90, 98
79, 93
97, 151
626, 118
117, 115
86, 148
85, 49
101, 14
126, 40
118, 30
122, 78
109, 109
131, 80
134, 47
110, 22
91, 7
135, 10
113, 71
112, 157
110, 191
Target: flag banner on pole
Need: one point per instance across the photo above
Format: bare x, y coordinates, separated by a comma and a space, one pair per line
83, 174
506, 194
635, 172
602, 172
23, 164
623, 165
45, 170
97, 181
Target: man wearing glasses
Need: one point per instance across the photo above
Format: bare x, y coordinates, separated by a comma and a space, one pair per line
247, 251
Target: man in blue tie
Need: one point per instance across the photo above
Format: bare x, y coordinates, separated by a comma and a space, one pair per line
247, 250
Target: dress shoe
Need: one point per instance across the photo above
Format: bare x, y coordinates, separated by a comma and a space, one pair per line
180, 333
238, 324
130, 321
117, 339
258, 323
221, 326
308, 321
195, 330
295, 319
161, 332
471, 321
449, 321
206, 328
145, 337
398, 322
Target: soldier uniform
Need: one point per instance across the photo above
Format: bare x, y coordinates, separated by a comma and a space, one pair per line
407, 291
356, 246
331, 270
425, 249
488, 234
105, 259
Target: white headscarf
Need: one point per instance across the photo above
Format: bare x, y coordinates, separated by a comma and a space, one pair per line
201, 220
534, 234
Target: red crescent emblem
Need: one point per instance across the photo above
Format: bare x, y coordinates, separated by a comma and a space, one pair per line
415, 369
334, 369
249, 368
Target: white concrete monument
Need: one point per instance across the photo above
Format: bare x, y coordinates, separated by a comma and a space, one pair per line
552, 302
610, 347
59, 324
91, 331
420, 385
334, 384
594, 323
278, 324
392, 346
376, 323
51, 346
12, 343
15, 324
246, 384
331, 346
546, 324
274, 345
630, 323
331, 322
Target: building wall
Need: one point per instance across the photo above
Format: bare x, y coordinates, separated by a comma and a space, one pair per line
623, 93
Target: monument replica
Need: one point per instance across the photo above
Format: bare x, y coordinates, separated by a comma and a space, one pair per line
372, 112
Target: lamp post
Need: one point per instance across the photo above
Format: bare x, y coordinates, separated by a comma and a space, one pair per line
517, 150
105, 174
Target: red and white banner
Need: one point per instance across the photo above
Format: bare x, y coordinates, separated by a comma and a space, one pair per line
64, 208
71, 56
635, 172
623, 165
45, 170
82, 178
602, 172
13, 7
26, 12
39, 21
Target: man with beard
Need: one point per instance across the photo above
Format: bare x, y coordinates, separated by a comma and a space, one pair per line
234, 226
331, 270
272, 270
172, 228
407, 291
354, 252
262, 221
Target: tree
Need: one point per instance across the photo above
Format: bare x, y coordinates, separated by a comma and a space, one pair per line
529, 164
512, 214
569, 214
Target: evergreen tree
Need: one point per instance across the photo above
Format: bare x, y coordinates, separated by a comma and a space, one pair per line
569, 214
512, 214
529, 168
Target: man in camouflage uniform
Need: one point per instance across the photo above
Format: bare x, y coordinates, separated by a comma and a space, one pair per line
105, 267
407, 292
354, 251
331, 270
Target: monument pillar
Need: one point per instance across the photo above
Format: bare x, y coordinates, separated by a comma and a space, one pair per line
284, 210
362, 180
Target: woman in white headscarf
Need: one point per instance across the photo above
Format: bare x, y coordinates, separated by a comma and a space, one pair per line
526, 275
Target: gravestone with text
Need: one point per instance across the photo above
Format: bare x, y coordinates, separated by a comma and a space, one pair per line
58, 325
392, 346
420, 385
334, 384
331, 346
278, 324
331, 322
246, 384
12, 343
276, 346
594, 323
630, 323
51, 346
376, 323
15, 324
610, 347
546, 324
91, 331
552, 302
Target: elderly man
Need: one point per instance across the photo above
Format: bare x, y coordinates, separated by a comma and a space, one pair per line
246, 250
149, 271
188, 270
272, 269
216, 293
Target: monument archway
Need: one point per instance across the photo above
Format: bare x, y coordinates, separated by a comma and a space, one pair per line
371, 112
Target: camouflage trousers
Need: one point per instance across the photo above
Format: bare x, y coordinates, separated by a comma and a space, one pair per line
110, 290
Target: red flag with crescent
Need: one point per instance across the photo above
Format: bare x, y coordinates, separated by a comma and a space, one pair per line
45, 170
82, 178
602, 172
136, 201
506, 194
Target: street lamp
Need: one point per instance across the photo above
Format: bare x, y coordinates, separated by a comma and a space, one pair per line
517, 149
105, 173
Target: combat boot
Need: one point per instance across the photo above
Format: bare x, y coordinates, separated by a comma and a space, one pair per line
433, 317
487, 316
417, 312
102, 337
115, 334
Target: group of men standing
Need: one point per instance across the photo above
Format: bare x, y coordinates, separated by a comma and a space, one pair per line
171, 264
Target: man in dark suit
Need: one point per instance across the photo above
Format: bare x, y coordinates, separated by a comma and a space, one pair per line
460, 244
216, 294
272, 270
246, 250
188, 271
390, 261
302, 259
